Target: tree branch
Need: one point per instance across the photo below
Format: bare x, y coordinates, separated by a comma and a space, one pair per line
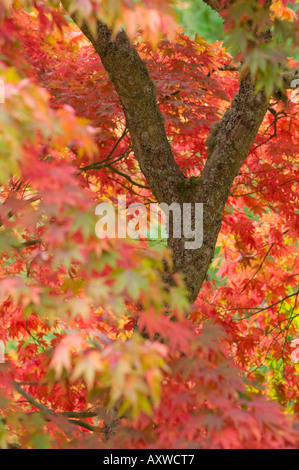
68, 414
89, 427
229, 142
214, 4
137, 94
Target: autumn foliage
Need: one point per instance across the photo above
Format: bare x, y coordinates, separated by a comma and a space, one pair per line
99, 350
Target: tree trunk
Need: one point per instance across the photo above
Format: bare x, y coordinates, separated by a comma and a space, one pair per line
228, 144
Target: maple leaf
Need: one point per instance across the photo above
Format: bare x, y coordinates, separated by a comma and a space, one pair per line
62, 358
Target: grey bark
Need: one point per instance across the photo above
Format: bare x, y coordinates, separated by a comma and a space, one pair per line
228, 145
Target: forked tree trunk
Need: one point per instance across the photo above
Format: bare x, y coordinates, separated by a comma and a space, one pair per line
228, 146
